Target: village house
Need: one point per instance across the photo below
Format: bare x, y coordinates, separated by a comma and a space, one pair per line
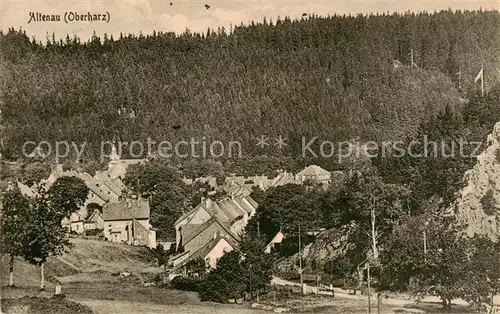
75, 223
94, 221
210, 181
283, 178
210, 230
194, 237
211, 252
128, 222
233, 212
273, 244
314, 174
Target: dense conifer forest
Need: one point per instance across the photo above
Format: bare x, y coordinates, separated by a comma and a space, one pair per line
331, 77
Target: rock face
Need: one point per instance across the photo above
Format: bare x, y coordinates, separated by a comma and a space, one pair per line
478, 204
329, 245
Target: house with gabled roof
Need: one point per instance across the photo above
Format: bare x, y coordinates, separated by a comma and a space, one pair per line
94, 220
283, 178
233, 212
194, 237
211, 252
128, 222
314, 174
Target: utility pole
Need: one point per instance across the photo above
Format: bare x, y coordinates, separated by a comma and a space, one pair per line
424, 233
482, 83
425, 243
373, 227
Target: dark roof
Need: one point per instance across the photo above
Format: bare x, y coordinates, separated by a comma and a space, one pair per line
128, 210
189, 232
91, 215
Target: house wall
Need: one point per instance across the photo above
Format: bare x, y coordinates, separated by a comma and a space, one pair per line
217, 252
141, 236
114, 230
152, 239
204, 237
77, 226
317, 178
89, 226
99, 222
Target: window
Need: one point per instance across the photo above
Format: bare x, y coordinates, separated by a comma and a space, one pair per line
110, 225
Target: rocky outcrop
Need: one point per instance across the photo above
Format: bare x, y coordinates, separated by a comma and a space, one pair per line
328, 246
478, 204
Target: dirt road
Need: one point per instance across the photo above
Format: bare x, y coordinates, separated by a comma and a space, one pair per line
123, 307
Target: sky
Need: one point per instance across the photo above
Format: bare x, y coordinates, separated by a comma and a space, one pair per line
134, 16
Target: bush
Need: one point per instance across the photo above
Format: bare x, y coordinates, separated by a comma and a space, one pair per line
186, 283
488, 203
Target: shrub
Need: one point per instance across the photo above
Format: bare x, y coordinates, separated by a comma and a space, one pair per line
488, 203
186, 283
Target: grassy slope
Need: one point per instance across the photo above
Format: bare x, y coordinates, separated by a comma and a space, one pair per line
88, 260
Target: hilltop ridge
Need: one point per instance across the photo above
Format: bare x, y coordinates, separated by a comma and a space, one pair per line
329, 77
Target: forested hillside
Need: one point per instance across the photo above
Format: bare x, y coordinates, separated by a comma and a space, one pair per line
331, 77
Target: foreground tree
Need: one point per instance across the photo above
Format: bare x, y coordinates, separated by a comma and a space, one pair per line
12, 220
44, 234
224, 282
257, 266
67, 195
447, 264
243, 270
376, 207
169, 195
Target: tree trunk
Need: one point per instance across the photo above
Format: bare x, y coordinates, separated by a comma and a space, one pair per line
11, 271
42, 280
